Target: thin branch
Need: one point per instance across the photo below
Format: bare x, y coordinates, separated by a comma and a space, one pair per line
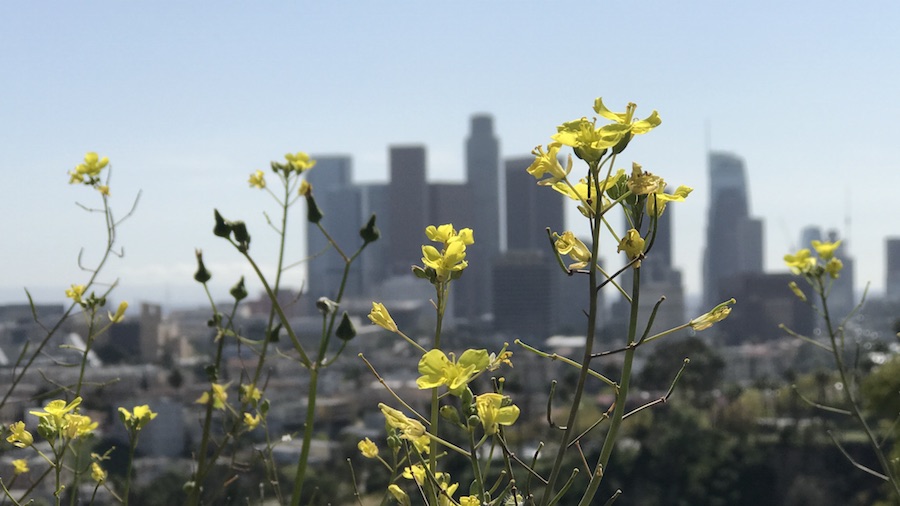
854, 462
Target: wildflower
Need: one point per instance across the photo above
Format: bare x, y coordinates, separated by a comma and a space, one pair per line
397, 420
633, 246
493, 413
219, 396
589, 142
469, 500
415, 472
452, 258
436, 369
801, 262
305, 188
257, 180
137, 418
300, 161
97, 473
568, 244
625, 120
252, 421
656, 202
715, 315
797, 291
20, 466
91, 168
644, 183
76, 426
548, 163
380, 316
399, 495
19, 437
250, 394
103, 189
368, 449
75, 293
833, 268
580, 191
120, 313
826, 250
53, 418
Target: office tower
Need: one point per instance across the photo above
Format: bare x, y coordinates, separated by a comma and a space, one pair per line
483, 180
524, 291
375, 199
339, 201
892, 256
530, 209
408, 208
733, 239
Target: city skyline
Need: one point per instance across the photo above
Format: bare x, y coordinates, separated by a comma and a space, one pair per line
219, 93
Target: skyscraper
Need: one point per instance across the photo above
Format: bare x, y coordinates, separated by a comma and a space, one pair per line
408, 207
530, 208
733, 239
483, 181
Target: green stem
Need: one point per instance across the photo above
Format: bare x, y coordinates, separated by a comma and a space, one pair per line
300, 475
131, 451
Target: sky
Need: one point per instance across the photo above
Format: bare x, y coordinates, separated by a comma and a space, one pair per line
188, 98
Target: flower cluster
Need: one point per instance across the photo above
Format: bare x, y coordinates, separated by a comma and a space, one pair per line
449, 262
58, 420
804, 263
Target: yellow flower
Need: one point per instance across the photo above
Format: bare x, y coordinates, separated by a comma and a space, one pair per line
452, 258
568, 244
833, 268
380, 316
579, 192
300, 161
76, 425
715, 315
103, 189
20, 466
656, 202
97, 473
396, 419
588, 141
826, 250
436, 369
91, 168
399, 495
75, 293
797, 291
548, 163
250, 394
120, 313
19, 437
469, 500
633, 245
801, 262
219, 396
252, 421
137, 418
644, 183
305, 188
493, 413
258, 180
626, 119
415, 472
368, 449
53, 418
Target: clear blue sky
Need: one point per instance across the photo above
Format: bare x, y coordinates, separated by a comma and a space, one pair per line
187, 98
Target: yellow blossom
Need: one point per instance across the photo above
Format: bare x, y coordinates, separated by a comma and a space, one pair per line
716, 314
399, 495
250, 394
656, 202
103, 189
579, 192
53, 418
493, 413
219, 396
19, 437
436, 369
588, 141
452, 258
568, 244
826, 250
252, 421
91, 168
801, 262
76, 292
380, 316
137, 418
626, 119
797, 291
633, 245
97, 473
20, 466
415, 472
120, 313
644, 183
300, 161
833, 267
257, 180
76, 425
396, 419
305, 188
469, 500
548, 163
368, 449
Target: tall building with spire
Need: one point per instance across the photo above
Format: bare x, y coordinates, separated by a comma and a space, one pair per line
483, 182
734, 240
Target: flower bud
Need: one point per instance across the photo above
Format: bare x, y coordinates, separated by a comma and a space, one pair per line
202, 275
370, 232
345, 330
273, 334
450, 413
313, 213
241, 236
326, 306
222, 228
239, 291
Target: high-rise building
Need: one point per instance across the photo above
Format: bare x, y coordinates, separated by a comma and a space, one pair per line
375, 199
733, 239
530, 208
892, 283
339, 201
408, 208
483, 180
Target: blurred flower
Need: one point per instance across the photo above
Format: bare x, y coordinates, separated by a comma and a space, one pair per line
797, 291
399, 495
397, 420
137, 418
97, 473
833, 268
801, 262
250, 394
716, 314
380, 316
91, 168
120, 313
219, 396
19, 437
368, 449
826, 250
20, 466
257, 180
252, 421
300, 161
75, 293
